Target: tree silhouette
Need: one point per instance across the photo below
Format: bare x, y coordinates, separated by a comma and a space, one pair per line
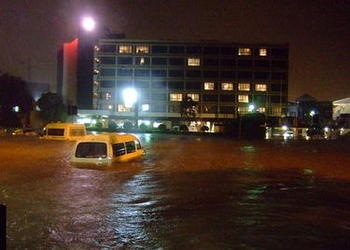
51, 107
189, 108
14, 93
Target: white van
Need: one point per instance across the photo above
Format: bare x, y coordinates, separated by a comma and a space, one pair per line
64, 131
107, 148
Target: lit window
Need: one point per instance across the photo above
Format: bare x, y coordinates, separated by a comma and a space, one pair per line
194, 97
262, 52
244, 51
243, 98
108, 96
142, 49
244, 86
145, 107
142, 61
175, 97
123, 108
125, 49
261, 110
260, 87
193, 62
227, 86
209, 86
243, 110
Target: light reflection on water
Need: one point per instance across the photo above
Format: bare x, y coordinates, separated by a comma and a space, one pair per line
188, 193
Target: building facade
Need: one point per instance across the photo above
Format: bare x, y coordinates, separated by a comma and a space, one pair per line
224, 80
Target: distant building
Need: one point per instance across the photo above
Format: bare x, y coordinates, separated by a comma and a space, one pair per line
306, 111
224, 79
341, 112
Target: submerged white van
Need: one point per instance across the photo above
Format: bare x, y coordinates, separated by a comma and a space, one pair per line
107, 148
64, 131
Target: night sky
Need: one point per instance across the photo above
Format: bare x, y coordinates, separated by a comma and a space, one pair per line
318, 33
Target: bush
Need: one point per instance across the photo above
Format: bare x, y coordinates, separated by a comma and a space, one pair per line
127, 125
162, 127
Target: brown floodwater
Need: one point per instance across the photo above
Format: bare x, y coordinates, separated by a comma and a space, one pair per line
188, 192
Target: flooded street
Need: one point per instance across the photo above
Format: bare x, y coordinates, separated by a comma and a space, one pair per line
189, 192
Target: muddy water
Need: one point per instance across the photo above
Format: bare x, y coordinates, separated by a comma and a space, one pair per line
189, 192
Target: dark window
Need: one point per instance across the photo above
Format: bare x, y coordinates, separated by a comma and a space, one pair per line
244, 75
176, 73
228, 51
193, 50
210, 50
107, 60
260, 99
107, 48
107, 84
244, 63
176, 49
55, 131
279, 87
158, 84
107, 72
227, 98
159, 61
275, 99
193, 73
159, 73
261, 75
130, 147
227, 109
194, 85
159, 49
91, 150
262, 63
228, 62
279, 76
279, 64
176, 61
210, 73
158, 108
159, 96
124, 72
227, 74
141, 84
142, 72
175, 85
210, 98
118, 149
210, 62
125, 60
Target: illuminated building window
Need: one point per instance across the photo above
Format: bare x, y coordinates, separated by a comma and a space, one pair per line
262, 52
193, 62
142, 49
243, 110
145, 107
243, 98
194, 97
227, 86
244, 52
123, 108
260, 87
261, 110
244, 86
108, 96
125, 49
209, 86
175, 97
142, 61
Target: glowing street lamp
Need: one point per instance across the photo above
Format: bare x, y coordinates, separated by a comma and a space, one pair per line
88, 24
251, 107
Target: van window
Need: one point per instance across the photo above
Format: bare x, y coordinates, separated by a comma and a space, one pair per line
138, 144
91, 150
77, 132
118, 149
130, 146
55, 131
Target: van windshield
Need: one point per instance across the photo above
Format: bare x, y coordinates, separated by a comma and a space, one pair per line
91, 150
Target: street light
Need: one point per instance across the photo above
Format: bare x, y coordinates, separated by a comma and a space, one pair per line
88, 24
130, 100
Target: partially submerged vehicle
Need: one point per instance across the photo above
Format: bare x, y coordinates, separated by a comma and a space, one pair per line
107, 148
64, 131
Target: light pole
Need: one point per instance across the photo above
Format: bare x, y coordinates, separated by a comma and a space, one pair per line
130, 100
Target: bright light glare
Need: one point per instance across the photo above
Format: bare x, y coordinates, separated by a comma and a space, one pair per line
88, 23
130, 97
251, 107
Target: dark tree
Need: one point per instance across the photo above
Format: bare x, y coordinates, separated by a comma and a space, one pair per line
51, 107
16, 101
189, 108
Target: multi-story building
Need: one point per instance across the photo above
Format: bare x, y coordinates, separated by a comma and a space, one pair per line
223, 79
